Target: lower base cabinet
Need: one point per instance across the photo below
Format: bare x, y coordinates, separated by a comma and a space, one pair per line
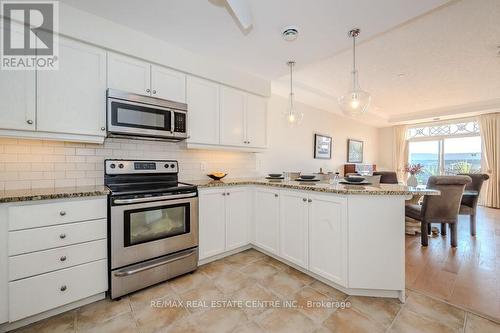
266, 219
224, 220
293, 227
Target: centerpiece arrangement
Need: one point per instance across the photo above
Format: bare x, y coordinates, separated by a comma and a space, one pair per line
413, 170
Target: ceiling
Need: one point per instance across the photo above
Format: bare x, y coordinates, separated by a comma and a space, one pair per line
207, 28
418, 59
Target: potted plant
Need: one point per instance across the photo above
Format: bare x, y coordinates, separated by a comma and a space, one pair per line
413, 169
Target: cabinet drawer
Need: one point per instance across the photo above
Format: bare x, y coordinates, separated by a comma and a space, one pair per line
31, 240
35, 263
40, 215
44, 292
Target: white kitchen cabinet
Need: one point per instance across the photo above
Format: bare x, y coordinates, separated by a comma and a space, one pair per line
232, 117
293, 229
17, 95
140, 77
71, 99
168, 84
224, 220
237, 218
212, 223
129, 74
266, 219
203, 105
256, 121
328, 237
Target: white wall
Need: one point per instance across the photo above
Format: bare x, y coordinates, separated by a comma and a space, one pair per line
386, 148
292, 149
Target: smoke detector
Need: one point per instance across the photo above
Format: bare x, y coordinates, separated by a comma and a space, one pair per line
290, 33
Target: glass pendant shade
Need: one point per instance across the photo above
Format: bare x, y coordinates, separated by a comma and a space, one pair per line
356, 101
292, 116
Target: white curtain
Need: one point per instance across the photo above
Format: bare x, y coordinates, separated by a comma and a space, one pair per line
489, 126
400, 150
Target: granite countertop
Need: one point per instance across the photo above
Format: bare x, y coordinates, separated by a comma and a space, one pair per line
52, 193
382, 189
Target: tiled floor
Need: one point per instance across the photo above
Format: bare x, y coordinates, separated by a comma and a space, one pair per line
467, 276
250, 277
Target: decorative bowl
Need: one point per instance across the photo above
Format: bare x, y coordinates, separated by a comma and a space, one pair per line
216, 177
353, 179
275, 175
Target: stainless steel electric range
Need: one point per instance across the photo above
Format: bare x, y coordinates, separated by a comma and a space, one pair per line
153, 224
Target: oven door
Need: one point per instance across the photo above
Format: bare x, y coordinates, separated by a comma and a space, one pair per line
146, 230
139, 119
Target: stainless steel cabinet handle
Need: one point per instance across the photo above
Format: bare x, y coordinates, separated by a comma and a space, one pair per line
63, 288
62, 213
224, 194
29, 121
154, 91
103, 128
63, 258
304, 199
148, 90
310, 200
62, 236
276, 195
228, 193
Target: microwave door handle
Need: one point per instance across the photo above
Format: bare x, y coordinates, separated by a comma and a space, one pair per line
172, 121
148, 199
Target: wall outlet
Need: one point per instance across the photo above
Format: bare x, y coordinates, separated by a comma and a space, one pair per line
203, 166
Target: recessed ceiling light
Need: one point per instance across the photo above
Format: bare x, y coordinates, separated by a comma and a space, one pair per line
290, 33
401, 74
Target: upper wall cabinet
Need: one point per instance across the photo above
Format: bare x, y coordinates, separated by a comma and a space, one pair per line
203, 111
71, 99
224, 117
140, 77
232, 117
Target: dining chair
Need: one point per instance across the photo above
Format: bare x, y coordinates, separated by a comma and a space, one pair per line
387, 177
468, 206
442, 208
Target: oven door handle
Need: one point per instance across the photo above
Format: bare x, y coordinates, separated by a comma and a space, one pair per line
122, 273
150, 199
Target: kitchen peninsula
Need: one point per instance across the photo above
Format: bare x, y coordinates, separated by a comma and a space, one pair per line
348, 236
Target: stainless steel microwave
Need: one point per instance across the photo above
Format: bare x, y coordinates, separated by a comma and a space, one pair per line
145, 117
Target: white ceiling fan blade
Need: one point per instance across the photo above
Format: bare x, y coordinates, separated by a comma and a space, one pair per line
241, 11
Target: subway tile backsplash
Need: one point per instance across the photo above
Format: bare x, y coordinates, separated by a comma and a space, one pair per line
26, 164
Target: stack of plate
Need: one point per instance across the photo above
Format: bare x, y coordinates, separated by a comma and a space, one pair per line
275, 176
307, 178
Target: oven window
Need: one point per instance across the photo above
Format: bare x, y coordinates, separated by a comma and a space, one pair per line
135, 116
149, 224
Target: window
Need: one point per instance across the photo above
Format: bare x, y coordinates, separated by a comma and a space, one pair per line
445, 149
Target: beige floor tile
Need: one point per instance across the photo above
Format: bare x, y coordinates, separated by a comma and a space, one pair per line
199, 298
101, 311
283, 284
273, 262
211, 321
123, 323
245, 257
322, 329
253, 296
144, 297
218, 268
259, 270
188, 282
381, 310
314, 304
233, 281
327, 290
411, 322
476, 324
249, 327
435, 310
63, 323
285, 321
153, 319
304, 278
352, 321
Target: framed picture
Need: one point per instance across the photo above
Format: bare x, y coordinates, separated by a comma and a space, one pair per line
322, 146
354, 151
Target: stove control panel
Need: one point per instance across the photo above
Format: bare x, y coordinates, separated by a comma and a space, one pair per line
116, 167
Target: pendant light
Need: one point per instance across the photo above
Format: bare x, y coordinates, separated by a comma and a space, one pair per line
356, 101
292, 116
